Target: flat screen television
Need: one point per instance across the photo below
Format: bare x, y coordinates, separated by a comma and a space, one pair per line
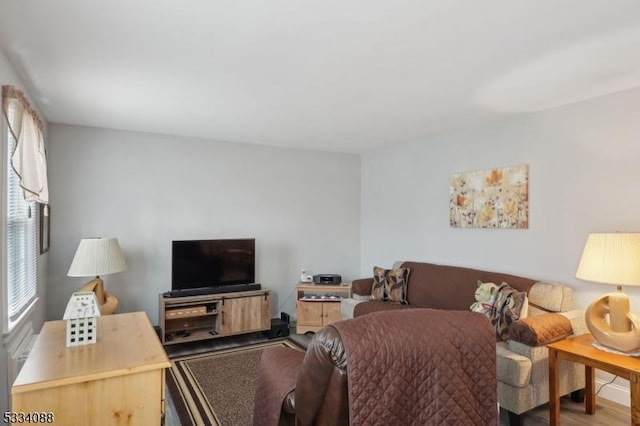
213, 266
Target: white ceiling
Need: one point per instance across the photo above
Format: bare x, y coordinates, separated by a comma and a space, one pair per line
338, 75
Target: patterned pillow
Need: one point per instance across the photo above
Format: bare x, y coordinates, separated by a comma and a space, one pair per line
379, 283
390, 284
396, 286
507, 308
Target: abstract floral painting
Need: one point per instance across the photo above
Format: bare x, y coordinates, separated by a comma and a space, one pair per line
495, 198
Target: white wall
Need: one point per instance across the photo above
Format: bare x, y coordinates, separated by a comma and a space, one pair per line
146, 189
9, 77
584, 173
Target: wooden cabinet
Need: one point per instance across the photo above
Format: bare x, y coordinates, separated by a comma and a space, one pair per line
191, 318
245, 314
319, 305
119, 379
316, 315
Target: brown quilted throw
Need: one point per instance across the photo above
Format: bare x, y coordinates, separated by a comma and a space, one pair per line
420, 367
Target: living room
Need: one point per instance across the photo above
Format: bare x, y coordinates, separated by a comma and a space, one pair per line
323, 204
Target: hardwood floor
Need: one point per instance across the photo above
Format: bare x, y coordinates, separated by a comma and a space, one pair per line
571, 413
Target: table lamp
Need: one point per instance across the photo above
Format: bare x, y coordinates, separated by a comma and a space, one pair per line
612, 259
94, 257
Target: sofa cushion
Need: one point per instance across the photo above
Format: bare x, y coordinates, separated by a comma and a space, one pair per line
507, 307
541, 329
551, 297
513, 369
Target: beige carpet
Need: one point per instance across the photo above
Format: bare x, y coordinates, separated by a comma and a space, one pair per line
217, 388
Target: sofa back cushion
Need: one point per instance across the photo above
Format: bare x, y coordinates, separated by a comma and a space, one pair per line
452, 287
550, 297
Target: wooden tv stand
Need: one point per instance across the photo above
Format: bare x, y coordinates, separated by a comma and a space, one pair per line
209, 316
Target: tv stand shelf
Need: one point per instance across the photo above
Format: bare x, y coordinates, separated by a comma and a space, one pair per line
209, 316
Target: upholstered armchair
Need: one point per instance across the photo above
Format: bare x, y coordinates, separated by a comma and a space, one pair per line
414, 366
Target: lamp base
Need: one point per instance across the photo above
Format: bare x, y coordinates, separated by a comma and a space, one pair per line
108, 302
623, 331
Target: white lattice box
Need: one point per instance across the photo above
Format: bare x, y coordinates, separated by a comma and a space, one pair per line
82, 331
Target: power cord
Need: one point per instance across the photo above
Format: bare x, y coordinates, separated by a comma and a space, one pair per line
605, 384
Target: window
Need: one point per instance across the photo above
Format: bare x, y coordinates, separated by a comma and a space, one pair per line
22, 267
21, 231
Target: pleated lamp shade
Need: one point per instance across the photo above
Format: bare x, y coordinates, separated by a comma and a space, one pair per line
611, 259
97, 256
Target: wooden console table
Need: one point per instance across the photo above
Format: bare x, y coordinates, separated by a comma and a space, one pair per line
580, 349
118, 380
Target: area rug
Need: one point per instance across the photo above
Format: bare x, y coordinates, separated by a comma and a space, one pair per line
217, 388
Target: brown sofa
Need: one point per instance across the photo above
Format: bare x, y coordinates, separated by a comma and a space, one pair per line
376, 370
522, 369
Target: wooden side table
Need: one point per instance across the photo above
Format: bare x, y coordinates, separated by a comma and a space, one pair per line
117, 380
318, 305
580, 349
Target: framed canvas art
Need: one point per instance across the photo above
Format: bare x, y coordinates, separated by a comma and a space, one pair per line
493, 198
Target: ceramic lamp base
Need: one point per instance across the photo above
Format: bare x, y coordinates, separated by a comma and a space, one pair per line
108, 302
622, 332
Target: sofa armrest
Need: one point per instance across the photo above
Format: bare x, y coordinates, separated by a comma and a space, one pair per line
322, 380
576, 317
362, 286
540, 330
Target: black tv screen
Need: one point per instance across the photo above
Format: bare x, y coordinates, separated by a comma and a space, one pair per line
199, 264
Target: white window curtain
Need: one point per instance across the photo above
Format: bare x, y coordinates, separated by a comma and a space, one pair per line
28, 158
26, 184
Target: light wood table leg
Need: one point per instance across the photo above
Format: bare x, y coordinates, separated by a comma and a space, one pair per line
634, 382
579, 349
590, 382
554, 389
